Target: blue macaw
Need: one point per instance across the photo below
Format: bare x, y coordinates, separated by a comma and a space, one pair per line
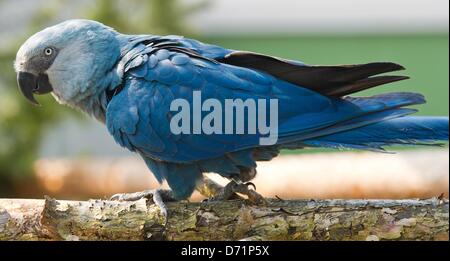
129, 81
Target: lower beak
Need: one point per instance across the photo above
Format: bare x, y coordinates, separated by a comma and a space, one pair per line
30, 84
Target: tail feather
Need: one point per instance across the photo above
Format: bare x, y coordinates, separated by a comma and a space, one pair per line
364, 84
387, 101
336, 81
364, 111
410, 130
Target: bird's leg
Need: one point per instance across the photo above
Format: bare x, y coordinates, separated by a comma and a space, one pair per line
229, 191
210, 189
158, 196
241, 188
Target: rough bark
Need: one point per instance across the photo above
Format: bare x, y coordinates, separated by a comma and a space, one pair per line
50, 219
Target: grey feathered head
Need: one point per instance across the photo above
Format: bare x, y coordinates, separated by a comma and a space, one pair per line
68, 59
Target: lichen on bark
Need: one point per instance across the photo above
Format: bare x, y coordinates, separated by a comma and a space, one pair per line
50, 219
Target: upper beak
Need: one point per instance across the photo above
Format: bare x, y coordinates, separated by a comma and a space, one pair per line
30, 84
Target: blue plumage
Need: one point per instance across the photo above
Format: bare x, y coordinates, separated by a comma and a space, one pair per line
135, 94
409, 130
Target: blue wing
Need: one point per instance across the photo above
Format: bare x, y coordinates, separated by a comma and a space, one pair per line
159, 70
139, 116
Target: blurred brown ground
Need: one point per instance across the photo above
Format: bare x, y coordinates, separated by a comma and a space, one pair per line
406, 174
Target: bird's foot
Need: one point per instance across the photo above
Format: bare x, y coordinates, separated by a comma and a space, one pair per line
233, 187
158, 196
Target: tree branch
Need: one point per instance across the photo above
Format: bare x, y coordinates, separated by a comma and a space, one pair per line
50, 219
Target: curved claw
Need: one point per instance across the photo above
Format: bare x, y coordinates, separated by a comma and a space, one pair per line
250, 184
157, 195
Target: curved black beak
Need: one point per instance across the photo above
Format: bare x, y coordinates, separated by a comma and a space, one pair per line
30, 84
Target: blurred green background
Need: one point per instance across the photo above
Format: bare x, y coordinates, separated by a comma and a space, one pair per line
425, 58
22, 127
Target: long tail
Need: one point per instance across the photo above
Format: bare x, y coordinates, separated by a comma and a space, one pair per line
410, 130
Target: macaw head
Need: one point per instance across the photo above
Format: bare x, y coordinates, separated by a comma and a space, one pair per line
69, 60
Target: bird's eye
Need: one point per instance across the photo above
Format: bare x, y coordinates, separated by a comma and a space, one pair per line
48, 51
